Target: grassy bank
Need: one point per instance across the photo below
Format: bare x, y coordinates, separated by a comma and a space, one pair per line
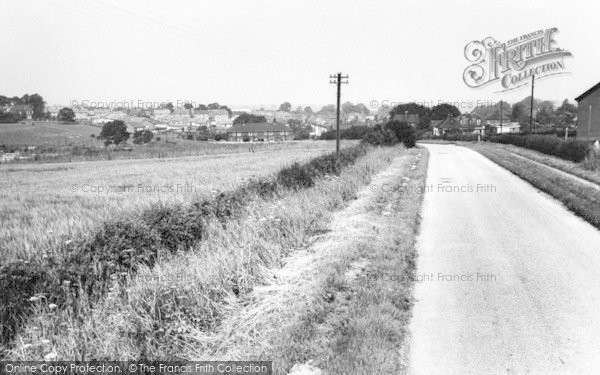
118, 252
576, 169
580, 198
342, 304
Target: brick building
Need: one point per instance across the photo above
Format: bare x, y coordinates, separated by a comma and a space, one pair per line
588, 114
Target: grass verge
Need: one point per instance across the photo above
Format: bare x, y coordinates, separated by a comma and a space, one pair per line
342, 304
580, 198
576, 169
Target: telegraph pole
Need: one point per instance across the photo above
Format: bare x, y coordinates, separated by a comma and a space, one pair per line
338, 79
531, 109
501, 107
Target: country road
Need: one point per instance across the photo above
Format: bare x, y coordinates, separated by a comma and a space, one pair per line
508, 279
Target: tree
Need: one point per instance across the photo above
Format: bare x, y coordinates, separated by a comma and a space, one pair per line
114, 132
442, 111
308, 110
66, 114
219, 106
566, 113
188, 106
518, 112
404, 132
37, 103
246, 118
285, 107
170, 107
414, 108
545, 114
142, 137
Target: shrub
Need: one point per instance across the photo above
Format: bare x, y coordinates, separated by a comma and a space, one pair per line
177, 227
374, 137
295, 177
404, 132
19, 282
114, 251
353, 132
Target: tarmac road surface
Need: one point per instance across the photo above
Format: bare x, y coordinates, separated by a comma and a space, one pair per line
508, 279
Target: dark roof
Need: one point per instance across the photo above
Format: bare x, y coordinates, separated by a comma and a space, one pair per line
591, 90
258, 127
450, 123
404, 117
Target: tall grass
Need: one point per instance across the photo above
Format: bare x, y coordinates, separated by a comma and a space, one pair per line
95, 265
44, 204
173, 309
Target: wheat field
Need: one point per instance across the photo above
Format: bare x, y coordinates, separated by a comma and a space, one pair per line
43, 204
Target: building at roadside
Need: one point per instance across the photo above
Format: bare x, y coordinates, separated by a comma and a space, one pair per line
588, 114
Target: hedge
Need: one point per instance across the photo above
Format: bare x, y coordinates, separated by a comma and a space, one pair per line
572, 150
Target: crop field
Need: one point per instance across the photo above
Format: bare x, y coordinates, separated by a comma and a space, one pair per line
37, 133
42, 204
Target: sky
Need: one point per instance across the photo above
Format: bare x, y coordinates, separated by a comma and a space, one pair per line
260, 53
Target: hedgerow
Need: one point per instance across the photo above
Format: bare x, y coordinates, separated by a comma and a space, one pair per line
572, 150
90, 267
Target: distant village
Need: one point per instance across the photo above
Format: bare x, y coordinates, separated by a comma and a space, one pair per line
218, 122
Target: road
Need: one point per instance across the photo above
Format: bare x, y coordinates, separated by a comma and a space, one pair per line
508, 279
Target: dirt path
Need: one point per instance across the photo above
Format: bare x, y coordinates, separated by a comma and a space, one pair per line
508, 276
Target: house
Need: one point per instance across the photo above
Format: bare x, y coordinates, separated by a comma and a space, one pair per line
259, 132
451, 125
22, 110
81, 113
505, 127
201, 115
218, 116
53, 111
588, 113
409, 118
134, 127
182, 112
496, 124
317, 130
473, 123
160, 112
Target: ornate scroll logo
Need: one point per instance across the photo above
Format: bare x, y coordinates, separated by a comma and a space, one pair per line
512, 63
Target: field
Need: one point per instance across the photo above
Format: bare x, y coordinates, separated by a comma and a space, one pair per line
43, 203
228, 296
48, 133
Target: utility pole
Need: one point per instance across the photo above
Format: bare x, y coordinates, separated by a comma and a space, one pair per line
501, 107
531, 109
338, 79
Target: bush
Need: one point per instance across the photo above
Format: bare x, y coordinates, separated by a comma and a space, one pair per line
115, 250
177, 227
19, 282
404, 132
296, 177
353, 132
